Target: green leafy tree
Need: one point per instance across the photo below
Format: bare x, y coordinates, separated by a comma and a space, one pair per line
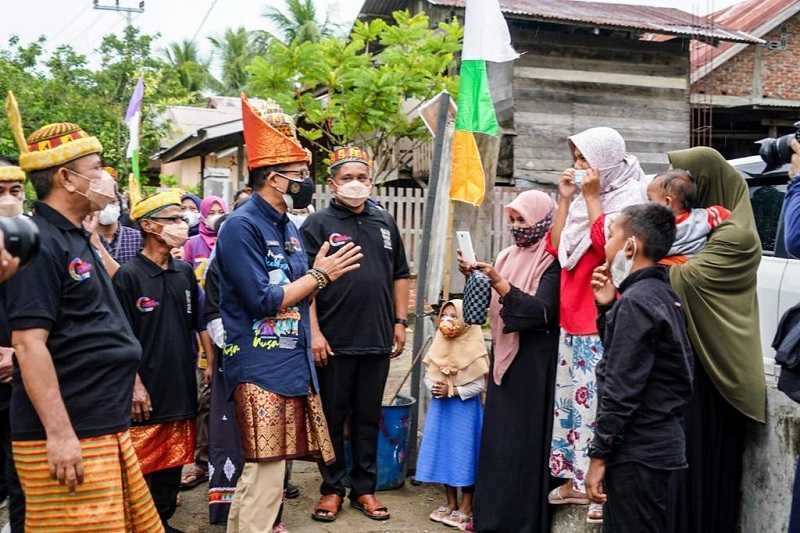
299, 22
62, 88
359, 90
192, 70
235, 49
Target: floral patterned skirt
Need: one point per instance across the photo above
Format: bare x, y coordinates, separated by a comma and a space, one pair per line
575, 407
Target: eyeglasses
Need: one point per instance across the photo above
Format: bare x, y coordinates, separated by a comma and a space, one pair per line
300, 175
176, 218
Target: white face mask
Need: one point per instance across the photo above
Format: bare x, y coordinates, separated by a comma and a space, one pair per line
211, 220
192, 217
10, 206
109, 215
353, 193
621, 265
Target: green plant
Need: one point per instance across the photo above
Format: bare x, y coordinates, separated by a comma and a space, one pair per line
358, 90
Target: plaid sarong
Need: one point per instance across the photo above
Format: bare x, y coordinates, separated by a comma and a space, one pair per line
113, 498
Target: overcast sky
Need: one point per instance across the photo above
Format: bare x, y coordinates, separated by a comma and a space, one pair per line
75, 22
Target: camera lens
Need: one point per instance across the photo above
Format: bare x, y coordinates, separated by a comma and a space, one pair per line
21, 238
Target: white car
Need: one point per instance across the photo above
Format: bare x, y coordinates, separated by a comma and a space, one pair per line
779, 274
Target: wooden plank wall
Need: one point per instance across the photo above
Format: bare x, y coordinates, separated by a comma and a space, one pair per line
569, 79
407, 205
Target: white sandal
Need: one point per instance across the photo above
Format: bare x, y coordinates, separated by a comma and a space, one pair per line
440, 514
594, 509
555, 498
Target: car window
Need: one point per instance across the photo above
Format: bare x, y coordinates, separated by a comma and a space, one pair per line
767, 202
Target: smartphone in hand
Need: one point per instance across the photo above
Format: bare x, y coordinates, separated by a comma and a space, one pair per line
465, 245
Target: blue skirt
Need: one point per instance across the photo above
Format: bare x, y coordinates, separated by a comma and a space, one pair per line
451, 442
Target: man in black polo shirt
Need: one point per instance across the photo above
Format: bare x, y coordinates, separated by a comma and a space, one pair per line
160, 297
357, 325
76, 354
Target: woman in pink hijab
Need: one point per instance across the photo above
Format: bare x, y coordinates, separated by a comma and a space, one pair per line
513, 476
198, 249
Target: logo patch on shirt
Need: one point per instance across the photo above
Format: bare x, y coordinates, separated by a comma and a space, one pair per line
274, 332
79, 270
339, 239
387, 238
146, 305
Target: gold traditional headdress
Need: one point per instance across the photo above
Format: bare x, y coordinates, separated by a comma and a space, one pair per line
154, 203
51, 145
11, 173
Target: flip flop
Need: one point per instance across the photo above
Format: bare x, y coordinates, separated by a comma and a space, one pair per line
193, 477
555, 498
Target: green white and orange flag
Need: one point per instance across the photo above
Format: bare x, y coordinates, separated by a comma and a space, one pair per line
486, 40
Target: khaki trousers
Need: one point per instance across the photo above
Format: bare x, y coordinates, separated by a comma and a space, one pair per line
258, 498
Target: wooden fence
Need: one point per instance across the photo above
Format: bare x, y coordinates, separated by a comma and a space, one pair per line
406, 204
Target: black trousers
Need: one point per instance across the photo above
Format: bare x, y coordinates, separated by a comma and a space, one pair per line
352, 386
164, 487
639, 499
11, 487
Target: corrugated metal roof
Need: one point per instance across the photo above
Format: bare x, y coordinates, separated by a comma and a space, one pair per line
660, 20
756, 17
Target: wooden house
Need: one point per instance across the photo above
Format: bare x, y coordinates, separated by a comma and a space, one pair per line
587, 64
743, 93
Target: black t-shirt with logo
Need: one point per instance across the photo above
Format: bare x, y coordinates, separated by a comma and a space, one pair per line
162, 307
356, 312
66, 291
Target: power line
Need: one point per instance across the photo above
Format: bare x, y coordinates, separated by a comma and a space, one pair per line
70, 23
203, 22
87, 28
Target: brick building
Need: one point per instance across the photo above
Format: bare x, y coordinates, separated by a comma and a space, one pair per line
742, 93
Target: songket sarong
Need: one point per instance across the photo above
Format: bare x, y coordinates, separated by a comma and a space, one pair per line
113, 497
275, 427
162, 446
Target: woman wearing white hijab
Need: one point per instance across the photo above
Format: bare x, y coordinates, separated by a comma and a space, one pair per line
604, 180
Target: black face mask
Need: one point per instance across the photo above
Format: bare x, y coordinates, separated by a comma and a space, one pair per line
298, 194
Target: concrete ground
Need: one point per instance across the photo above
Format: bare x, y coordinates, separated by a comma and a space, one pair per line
409, 505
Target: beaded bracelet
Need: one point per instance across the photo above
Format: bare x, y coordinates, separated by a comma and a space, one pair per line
320, 277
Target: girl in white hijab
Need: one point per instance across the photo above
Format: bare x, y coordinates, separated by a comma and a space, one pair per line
603, 181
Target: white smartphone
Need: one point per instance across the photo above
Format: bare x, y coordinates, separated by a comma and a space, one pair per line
465, 245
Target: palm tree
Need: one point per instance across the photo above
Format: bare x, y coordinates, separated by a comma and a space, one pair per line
299, 22
235, 50
193, 71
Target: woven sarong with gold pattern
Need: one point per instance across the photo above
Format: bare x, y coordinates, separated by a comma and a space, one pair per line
275, 427
166, 445
113, 497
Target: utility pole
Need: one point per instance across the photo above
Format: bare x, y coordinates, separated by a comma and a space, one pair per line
128, 11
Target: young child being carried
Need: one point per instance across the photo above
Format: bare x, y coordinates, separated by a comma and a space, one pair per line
644, 380
457, 365
677, 190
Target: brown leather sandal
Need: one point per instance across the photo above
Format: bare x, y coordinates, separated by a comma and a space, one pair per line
371, 507
328, 508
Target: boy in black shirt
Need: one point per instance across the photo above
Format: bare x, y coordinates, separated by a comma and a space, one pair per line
644, 379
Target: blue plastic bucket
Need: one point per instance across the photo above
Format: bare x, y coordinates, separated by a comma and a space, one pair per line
393, 443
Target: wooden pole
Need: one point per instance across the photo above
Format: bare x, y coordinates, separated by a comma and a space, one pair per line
422, 268
448, 251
